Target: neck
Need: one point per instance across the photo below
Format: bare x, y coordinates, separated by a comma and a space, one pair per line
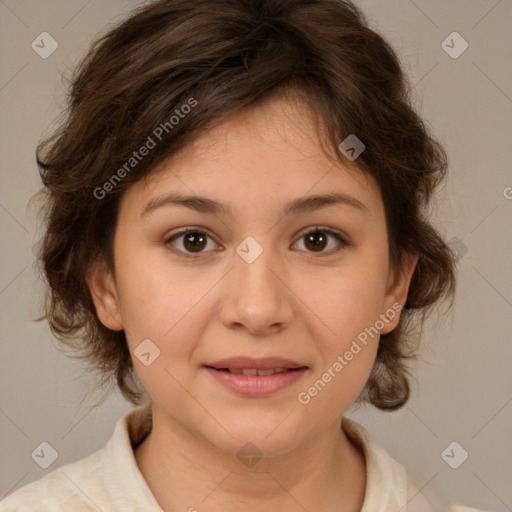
186, 472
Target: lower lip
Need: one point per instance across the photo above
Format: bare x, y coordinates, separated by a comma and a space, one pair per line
256, 385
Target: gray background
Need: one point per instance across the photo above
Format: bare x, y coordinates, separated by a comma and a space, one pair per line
463, 385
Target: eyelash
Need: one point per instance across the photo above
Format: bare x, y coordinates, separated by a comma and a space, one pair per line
317, 229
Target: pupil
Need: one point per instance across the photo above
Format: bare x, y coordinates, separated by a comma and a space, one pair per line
317, 239
189, 239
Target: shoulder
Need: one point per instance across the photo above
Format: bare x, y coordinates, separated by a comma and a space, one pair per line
388, 487
107, 480
62, 489
417, 502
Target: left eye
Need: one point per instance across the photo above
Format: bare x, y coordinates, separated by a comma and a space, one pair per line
195, 242
318, 238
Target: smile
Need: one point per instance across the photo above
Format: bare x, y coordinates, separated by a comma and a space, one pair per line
255, 382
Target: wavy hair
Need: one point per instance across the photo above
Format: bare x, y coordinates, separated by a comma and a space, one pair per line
230, 55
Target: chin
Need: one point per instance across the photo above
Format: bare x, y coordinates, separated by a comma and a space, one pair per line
254, 436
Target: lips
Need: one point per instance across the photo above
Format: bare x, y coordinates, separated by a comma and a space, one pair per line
256, 377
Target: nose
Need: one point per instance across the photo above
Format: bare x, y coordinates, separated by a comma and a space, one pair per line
257, 296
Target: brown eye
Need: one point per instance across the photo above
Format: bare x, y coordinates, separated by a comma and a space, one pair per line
195, 242
192, 241
317, 239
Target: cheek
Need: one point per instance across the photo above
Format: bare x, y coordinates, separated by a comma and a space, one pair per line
159, 320
164, 304
347, 350
348, 299
150, 303
347, 307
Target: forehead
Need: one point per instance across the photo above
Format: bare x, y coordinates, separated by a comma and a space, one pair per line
283, 124
263, 153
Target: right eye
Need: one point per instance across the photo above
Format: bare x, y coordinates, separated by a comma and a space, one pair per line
193, 242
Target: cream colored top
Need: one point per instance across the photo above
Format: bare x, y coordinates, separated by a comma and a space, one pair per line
109, 480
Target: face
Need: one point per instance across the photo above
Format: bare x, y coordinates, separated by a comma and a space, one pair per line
268, 274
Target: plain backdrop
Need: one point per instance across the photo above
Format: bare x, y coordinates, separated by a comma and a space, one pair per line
462, 390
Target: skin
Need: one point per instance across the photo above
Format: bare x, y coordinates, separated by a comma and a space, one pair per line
293, 301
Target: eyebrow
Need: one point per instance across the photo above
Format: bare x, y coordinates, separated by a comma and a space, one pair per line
203, 204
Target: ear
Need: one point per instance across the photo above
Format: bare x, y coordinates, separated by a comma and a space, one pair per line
103, 291
396, 293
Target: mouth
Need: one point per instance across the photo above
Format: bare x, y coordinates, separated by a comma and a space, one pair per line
256, 377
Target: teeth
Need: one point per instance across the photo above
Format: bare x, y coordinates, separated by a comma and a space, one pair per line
270, 371
254, 371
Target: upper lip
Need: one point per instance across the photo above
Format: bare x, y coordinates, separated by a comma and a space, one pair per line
264, 363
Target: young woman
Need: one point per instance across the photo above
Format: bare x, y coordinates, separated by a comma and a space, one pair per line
236, 234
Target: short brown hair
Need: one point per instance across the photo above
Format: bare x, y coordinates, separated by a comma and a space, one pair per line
228, 55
